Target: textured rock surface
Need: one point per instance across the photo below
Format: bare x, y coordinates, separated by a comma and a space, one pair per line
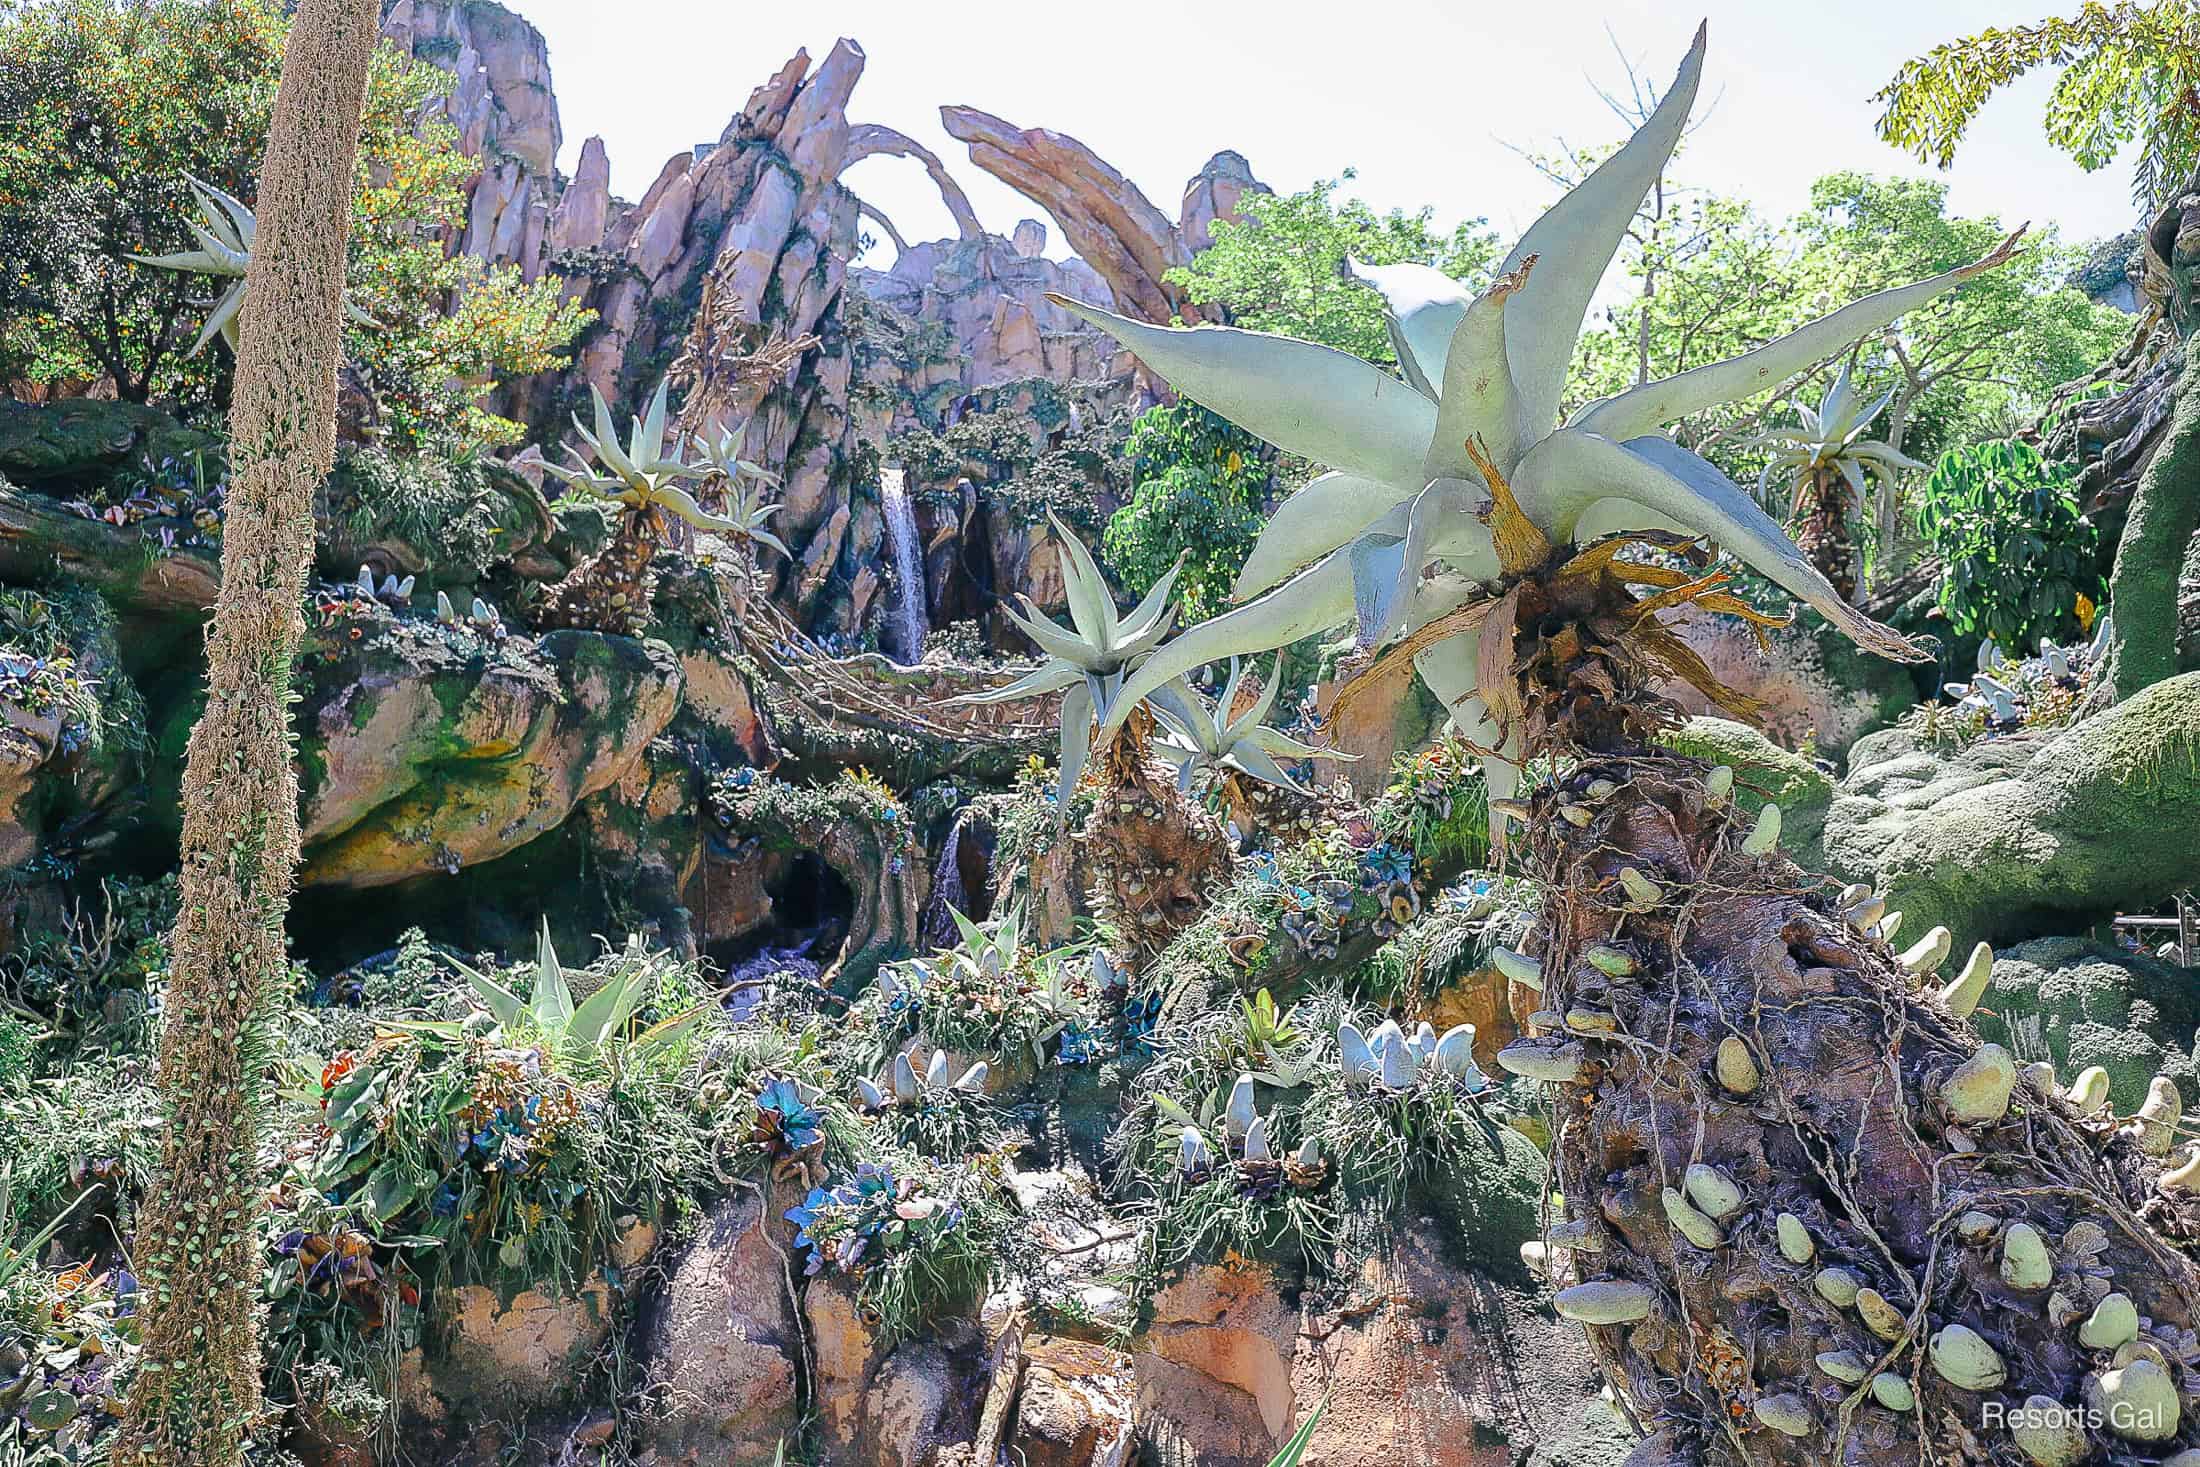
1764, 771
723, 1342
2030, 833
2080, 1004
424, 755
881, 1407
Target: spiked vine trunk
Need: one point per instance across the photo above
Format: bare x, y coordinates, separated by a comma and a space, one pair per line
1154, 851
1833, 1147
1825, 507
197, 1250
609, 591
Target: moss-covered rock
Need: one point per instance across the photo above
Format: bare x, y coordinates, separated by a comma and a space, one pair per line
2082, 1004
80, 441
1763, 771
2032, 833
431, 748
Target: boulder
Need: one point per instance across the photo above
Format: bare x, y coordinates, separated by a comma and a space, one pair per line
2035, 832
888, 1406
71, 445
723, 1342
428, 748
1075, 1405
1214, 1368
2081, 1004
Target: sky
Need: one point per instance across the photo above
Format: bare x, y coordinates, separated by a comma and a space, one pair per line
1423, 98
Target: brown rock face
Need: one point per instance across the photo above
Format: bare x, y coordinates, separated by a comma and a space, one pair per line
724, 1342
881, 1407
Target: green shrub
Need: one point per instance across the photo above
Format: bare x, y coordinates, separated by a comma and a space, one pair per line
2018, 552
1197, 486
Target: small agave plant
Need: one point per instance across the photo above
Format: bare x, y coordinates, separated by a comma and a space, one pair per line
225, 253
1733, 1045
1828, 458
745, 511
609, 592
1153, 849
1203, 739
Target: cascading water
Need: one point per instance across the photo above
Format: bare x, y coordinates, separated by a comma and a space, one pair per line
901, 538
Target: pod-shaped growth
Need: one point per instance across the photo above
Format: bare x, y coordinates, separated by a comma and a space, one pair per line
1517, 967
1893, 1392
1785, 1413
1712, 1190
1961, 1357
1880, 1316
1795, 1240
1889, 925
1603, 1301
2159, 1114
1691, 1224
1556, 1060
1353, 1054
1642, 892
2088, 1094
2137, 1402
2113, 1324
1837, 1286
1927, 953
2025, 1262
1609, 960
972, 1081
1962, 993
1718, 785
1400, 1062
1736, 1067
1845, 1366
1977, 1091
2048, 1433
1257, 1147
1765, 834
1238, 1113
906, 1089
2185, 1177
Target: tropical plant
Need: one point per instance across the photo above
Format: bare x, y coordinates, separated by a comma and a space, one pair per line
1720, 1022
197, 1248
1196, 489
1281, 265
1828, 458
2017, 554
2130, 73
225, 253
609, 591
1202, 739
550, 1017
738, 481
1152, 848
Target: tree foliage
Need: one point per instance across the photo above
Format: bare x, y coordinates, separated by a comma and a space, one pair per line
1197, 487
1281, 267
106, 105
2130, 72
2019, 553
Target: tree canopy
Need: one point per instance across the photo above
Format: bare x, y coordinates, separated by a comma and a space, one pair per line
107, 105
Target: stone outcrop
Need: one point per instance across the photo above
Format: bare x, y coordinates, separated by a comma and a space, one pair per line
2078, 1004
1106, 219
2030, 833
723, 1342
505, 114
425, 753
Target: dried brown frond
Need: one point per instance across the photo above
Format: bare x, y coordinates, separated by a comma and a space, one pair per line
1451, 624
1521, 547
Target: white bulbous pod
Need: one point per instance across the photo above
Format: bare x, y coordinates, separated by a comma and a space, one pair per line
1517, 967
2088, 1094
1454, 1053
1765, 834
2025, 1261
1718, 785
1879, 1315
935, 1069
973, 1080
1238, 1113
1796, 1245
1930, 951
907, 1091
2113, 1324
1837, 1286
1785, 1412
1893, 1392
1424, 1042
1256, 1141
1400, 1065
1194, 1155
1736, 1067
1691, 1224
1309, 1153
2137, 1402
2047, 1434
1558, 1061
868, 1092
2159, 1114
1713, 1191
1845, 1366
1977, 1091
2184, 1177
1354, 1055
1963, 992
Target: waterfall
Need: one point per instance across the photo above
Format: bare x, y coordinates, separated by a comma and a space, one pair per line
901, 538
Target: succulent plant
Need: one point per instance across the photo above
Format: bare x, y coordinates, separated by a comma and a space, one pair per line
1828, 459
1198, 737
390, 591
745, 511
644, 473
1463, 468
225, 253
1087, 661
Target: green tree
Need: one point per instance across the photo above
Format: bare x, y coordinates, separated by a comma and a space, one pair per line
106, 105
2130, 72
1197, 486
1281, 267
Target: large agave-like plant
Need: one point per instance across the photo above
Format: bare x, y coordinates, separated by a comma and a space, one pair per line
645, 476
745, 511
1828, 458
224, 252
1810, 1217
1151, 847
